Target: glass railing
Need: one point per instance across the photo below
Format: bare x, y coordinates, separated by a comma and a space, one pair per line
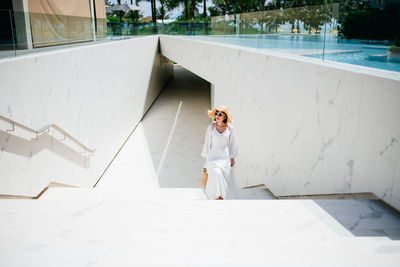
353, 32
200, 27
7, 44
28, 32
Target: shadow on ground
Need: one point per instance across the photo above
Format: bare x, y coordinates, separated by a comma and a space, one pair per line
364, 217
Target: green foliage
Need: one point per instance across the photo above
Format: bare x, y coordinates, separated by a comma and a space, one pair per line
371, 23
198, 19
214, 11
115, 20
397, 40
356, 18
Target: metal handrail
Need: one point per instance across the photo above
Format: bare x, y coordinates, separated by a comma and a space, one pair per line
46, 128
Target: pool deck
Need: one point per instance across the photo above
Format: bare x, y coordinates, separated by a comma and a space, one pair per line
306, 52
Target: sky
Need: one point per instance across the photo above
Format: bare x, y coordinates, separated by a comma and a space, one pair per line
173, 14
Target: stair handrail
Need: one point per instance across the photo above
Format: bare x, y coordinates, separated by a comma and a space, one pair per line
54, 126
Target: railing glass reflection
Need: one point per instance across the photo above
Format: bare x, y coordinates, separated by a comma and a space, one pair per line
353, 32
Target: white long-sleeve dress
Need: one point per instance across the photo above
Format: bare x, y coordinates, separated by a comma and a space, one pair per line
218, 150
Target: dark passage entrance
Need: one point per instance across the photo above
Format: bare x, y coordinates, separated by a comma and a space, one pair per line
175, 127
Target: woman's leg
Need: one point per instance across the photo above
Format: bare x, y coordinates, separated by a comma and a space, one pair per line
220, 183
216, 184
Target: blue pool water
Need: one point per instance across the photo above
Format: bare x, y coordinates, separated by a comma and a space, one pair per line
352, 52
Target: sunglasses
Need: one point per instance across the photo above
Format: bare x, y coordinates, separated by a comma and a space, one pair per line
219, 114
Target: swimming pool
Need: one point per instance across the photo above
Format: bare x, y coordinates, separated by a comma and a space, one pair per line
352, 52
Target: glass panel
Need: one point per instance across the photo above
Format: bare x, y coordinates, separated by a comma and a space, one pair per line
296, 31
359, 33
354, 33
365, 32
7, 43
50, 29
21, 36
101, 29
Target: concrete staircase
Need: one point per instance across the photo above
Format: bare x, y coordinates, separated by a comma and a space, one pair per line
135, 216
128, 221
177, 227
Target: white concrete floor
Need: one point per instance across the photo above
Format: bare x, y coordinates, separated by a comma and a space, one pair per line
129, 220
175, 128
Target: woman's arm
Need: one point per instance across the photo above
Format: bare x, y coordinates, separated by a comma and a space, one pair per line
207, 143
233, 150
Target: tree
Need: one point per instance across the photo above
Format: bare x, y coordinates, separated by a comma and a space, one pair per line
223, 6
193, 6
189, 7
214, 11
186, 9
134, 14
166, 5
262, 5
364, 22
314, 17
153, 11
120, 12
162, 13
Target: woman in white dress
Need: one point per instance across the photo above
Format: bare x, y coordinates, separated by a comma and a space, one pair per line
220, 151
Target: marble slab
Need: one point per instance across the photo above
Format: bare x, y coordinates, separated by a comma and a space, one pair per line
127, 220
303, 126
97, 93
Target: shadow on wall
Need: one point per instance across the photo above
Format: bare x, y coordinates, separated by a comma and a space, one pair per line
175, 127
161, 73
29, 148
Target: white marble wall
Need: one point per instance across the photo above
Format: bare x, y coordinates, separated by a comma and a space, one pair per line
97, 93
303, 126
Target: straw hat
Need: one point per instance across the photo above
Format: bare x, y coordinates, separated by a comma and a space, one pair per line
222, 108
